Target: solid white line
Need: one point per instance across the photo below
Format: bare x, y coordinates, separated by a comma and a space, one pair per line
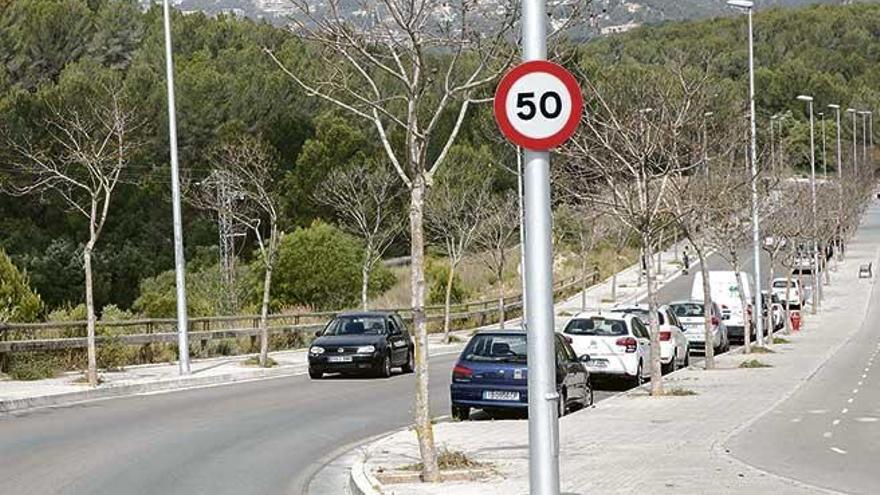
839, 451
827, 434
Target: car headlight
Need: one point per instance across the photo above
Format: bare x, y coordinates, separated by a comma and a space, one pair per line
316, 350
366, 349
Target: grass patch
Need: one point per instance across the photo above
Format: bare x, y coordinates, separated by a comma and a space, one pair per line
754, 363
679, 392
255, 361
780, 340
761, 350
448, 460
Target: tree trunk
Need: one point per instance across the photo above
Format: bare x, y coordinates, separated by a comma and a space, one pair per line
747, 321
264, 317
447, 318
771, 273
656, 370
707, 311
422, 415
501, 312
92, 372
583, 279
787, 305
365, 283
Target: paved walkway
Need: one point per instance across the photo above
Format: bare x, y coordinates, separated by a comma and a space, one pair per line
638, 444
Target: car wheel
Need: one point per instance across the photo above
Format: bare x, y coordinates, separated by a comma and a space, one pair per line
687, 358
589, 400
672, 366
562, 409
315, 375
410, 362
385, 370
637, 380
461, 413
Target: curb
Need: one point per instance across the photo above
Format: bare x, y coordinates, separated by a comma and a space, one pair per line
13, 405
360, 481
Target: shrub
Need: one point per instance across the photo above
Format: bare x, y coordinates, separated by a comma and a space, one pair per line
438, 275
33, 366
18, 302
320, 266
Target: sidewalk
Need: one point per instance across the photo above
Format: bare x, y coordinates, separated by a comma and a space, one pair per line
152, 378
634, 443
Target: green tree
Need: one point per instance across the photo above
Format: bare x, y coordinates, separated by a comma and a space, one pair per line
18, 302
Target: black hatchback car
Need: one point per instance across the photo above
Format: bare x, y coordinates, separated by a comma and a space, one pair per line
362, 343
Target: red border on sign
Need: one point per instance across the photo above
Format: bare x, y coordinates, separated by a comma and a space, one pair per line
574, 90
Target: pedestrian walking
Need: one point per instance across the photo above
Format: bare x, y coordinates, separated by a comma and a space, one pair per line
685, 261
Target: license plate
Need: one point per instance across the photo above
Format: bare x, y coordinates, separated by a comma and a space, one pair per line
339, 359
500, 395
597, 363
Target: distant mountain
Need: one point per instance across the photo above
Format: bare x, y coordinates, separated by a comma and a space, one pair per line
606, 16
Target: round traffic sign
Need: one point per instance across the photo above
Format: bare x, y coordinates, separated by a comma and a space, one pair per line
538, 105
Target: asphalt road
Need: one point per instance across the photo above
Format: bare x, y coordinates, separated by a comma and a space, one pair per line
828, 433
266, 437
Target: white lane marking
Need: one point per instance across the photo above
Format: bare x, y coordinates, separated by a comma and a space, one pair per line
827, 434
845, 410
855, 391
849, 401
817, 411
860, 383
864, 376
835, 422
867, 419
795, 420
838, 451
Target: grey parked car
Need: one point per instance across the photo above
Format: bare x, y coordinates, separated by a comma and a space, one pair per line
691, 315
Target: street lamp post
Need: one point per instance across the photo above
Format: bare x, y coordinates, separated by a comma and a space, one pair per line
816, 282
855, 153
747, 5
837, 233
179, 260
824, 161
706, 116
864, 115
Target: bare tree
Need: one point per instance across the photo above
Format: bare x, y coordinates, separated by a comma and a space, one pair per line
411, 70
496, 236
454, 213
575, 223
246, 167
625, 156
365, 200
82, 162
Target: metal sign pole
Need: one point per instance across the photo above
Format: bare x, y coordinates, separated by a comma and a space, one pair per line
543, 398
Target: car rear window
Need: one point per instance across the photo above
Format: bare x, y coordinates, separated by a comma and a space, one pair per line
642, 314
781, 284
496, 347
599, 327
688, 310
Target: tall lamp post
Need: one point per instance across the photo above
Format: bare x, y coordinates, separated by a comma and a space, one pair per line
837, 234
179, 260
855, 140
824, 161
816, 282
748, 5
864, 115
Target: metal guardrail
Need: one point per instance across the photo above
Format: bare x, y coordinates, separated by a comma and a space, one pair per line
51, 336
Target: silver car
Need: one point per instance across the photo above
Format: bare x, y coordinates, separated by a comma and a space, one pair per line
691, 315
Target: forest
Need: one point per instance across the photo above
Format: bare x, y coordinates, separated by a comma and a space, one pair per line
58, 54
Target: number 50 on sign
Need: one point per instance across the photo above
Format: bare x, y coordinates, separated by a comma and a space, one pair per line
538, 105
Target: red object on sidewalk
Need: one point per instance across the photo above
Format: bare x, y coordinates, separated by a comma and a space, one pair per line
796, 321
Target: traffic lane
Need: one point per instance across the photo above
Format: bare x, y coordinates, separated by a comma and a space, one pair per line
258, 437
680, 288
828, 433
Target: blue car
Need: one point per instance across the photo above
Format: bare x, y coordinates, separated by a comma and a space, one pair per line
492, 374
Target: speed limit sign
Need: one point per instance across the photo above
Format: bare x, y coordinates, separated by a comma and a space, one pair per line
538, 105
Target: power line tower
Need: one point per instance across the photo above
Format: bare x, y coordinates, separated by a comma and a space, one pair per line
227, 198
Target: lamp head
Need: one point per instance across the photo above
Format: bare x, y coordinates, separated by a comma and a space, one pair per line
835, 107
741, 4
804, 98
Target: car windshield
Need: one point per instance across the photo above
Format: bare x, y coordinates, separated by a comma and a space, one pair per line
688, 310
356, 325
781, 284
496, 348
599, 327
642, 314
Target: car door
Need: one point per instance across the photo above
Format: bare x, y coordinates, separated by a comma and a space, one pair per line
677, 332
581, 375
567, 371
397, 341
641, 334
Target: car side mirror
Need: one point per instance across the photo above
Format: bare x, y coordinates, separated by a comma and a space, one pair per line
319, 333
585, 358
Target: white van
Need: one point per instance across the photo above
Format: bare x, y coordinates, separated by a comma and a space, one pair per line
725, 293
